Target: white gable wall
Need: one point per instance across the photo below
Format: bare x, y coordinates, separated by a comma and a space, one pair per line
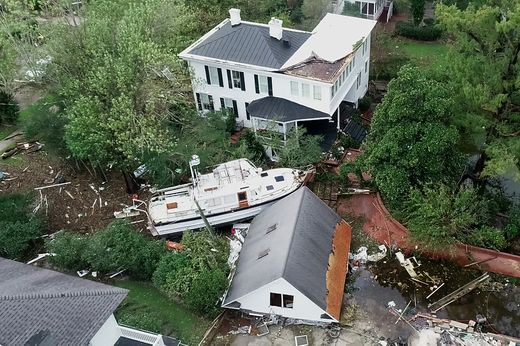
257, 302
107, 334
349, 90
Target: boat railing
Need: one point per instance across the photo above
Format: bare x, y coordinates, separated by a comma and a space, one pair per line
173, 188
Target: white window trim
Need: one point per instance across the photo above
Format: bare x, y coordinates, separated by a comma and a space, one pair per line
316, 92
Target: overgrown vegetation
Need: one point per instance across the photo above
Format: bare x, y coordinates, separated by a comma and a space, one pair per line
149, 309
19, 227
198, 275
45, 121
114, 248
416, 162
418, 32
9, 108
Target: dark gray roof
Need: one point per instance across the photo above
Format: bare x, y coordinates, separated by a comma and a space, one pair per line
46, 305
299, 248
250, 44
279, 109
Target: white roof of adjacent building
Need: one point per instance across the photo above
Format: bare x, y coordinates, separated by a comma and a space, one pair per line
332, 39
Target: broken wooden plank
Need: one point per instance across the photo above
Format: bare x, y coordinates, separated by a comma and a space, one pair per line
431, 294
479, 262
458, 293
49, 186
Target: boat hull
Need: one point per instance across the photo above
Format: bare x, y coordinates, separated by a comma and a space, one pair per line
227, 218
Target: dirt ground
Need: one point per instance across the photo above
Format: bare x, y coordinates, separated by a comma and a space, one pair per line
85, 204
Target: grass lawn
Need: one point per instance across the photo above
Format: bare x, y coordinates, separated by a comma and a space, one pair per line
147, 308
425, 52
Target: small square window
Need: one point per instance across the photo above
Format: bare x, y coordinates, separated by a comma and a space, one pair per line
275, 299
279, 178
269, 187
264, 174
288, 301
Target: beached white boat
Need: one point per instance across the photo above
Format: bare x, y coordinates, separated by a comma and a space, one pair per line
233, 191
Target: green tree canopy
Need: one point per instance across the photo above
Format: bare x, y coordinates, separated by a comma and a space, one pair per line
411, 141
484, 70
121, 79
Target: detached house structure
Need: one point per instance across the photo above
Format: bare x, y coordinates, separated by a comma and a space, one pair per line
273, 77
40, 307
293, 262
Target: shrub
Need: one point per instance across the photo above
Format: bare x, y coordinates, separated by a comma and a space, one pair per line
45, 121
206, 290
231, 122
364, 104
116, 247
9, 108
70, 251
488, 237
198, 274
300, 150
421, 33
347, 141
255, 148
512, 228
437, 215
16, 237
119, 246
19, 228
417, 10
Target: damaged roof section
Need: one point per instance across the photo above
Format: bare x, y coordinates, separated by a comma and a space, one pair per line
319, 69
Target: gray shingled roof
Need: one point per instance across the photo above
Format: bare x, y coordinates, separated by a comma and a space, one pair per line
299, 248
36, 303
283, 110
250, 44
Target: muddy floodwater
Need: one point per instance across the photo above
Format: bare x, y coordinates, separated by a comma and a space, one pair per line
378, 283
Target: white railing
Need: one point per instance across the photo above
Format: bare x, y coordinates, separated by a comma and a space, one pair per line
139, 335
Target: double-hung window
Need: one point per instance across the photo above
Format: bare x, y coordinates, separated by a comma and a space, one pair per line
295, 89
316, 92
229, 105
358, 80
205, 102
306, 90
236, 80
214, 76
263, 85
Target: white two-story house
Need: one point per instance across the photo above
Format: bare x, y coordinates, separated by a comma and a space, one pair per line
267, 74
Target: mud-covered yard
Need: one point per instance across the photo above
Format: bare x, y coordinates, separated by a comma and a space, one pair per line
85, 203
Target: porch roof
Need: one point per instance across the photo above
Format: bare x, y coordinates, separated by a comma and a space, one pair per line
282, 110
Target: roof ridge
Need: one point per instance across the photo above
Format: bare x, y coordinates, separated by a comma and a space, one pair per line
26, 296
304, 190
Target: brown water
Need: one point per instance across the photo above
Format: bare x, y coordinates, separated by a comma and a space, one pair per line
384, 281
